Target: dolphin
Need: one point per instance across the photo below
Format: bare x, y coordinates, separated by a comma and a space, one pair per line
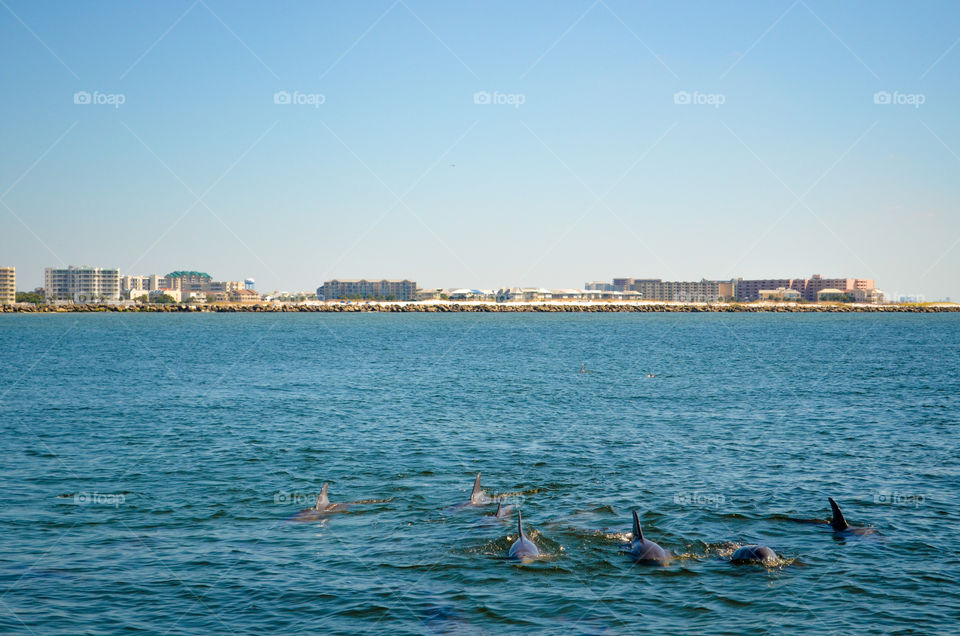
323, 501
644, 551
754, 554
478, 497
322, 508
840, 525
502, 511
502, 514
523, 549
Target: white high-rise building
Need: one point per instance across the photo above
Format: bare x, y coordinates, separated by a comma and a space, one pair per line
8, 285
82, 284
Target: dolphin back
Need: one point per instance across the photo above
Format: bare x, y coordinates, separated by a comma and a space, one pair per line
523, 548
754, 553
323, 500
838, 522
477, 495
637, 531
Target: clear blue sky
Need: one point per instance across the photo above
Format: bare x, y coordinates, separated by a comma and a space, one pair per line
399, 173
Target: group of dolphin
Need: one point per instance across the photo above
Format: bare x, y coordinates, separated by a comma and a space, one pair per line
640, 549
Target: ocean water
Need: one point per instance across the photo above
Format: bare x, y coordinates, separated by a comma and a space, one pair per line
153, 466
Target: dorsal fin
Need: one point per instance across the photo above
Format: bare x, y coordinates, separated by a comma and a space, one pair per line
520, 525
499, 503
323, 500
477, 493
838, 522
637, 531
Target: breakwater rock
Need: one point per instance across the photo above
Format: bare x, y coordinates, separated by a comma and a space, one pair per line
451, 307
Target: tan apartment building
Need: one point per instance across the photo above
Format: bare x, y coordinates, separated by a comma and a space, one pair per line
244, 296
708, 291
186, 282
362, 288
82, 284
143, 283
8, 285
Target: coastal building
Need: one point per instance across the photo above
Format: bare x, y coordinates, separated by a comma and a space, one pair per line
676, 291
175, 294
523, 294
435, 293
8, 285
834, 295
741, 289
141, 283
471, 294
190, 281
808, 288
82, 284
782, 294
598, 285
221, 285
244, 296
530, 294
187, 282
868, 296
385, 289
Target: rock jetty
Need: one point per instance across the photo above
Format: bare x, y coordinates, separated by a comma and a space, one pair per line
495, 308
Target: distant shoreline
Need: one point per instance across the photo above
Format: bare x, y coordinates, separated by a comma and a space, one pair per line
492, 307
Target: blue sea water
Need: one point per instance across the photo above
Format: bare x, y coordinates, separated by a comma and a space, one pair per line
152, 467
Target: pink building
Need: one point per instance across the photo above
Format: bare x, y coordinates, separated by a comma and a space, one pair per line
807, 287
